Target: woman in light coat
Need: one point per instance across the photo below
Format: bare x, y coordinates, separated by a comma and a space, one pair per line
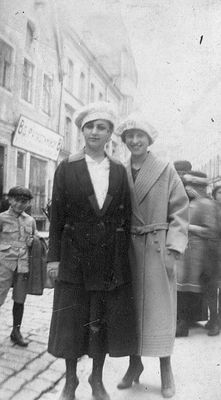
158, 237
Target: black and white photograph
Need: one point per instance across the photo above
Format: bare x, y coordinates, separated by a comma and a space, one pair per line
110, 199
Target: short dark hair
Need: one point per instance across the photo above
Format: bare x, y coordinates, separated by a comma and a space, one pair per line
20, 192
215, 190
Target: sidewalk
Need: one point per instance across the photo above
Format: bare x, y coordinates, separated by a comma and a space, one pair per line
31, 373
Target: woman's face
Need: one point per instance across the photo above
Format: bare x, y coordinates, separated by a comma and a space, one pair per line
96, 134
218, 195
137, 141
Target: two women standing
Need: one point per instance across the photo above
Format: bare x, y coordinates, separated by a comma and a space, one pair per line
93, 310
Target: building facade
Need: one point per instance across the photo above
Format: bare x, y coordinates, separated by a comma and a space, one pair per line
46, 73
30, 93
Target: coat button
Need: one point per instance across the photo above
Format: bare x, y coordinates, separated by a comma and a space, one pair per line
158, 250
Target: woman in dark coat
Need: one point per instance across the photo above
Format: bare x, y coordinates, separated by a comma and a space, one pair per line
196, 271
88, 247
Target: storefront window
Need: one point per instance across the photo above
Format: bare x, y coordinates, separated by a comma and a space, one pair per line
38, 187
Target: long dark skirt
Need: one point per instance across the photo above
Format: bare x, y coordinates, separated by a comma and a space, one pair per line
92, 322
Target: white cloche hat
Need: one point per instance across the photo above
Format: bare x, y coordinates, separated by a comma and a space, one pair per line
136, 120
93, 111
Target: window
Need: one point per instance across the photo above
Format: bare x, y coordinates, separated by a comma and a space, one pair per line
92, 92
82, 87
5, 65
20, 168
70, 76
47, 94
29, 36
27, 83
67, 134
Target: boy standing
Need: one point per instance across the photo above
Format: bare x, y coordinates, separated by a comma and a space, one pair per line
16, 234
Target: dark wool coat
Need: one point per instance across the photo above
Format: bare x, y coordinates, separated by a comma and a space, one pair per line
94, 280
91, 244
159, 222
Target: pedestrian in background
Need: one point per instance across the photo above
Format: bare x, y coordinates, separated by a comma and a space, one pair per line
158, 238
198, 307
88, 255
196, 273
16, 235
213, 325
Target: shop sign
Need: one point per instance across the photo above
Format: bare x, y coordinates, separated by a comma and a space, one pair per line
31, 136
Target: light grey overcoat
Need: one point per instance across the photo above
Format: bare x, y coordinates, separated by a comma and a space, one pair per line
159, 222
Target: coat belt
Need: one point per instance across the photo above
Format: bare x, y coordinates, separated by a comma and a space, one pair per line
143, 229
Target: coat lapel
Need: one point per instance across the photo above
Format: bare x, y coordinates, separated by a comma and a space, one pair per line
149, 173
134, 199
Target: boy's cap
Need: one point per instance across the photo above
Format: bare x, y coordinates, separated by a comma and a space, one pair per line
21, 192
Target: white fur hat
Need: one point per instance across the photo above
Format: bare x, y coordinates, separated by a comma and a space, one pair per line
93, 111
136, 120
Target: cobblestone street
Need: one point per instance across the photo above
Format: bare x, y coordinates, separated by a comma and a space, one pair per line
31, 373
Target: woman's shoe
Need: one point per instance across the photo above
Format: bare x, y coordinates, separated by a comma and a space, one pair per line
168, 392
98, 389
132, 375
214, 330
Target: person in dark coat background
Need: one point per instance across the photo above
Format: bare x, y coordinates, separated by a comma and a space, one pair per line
88, 255
214, 270
193, 279
159, 227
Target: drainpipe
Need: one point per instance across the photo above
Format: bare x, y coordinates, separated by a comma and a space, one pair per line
58, 41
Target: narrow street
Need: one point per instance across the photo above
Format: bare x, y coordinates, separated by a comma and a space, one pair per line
31, 373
